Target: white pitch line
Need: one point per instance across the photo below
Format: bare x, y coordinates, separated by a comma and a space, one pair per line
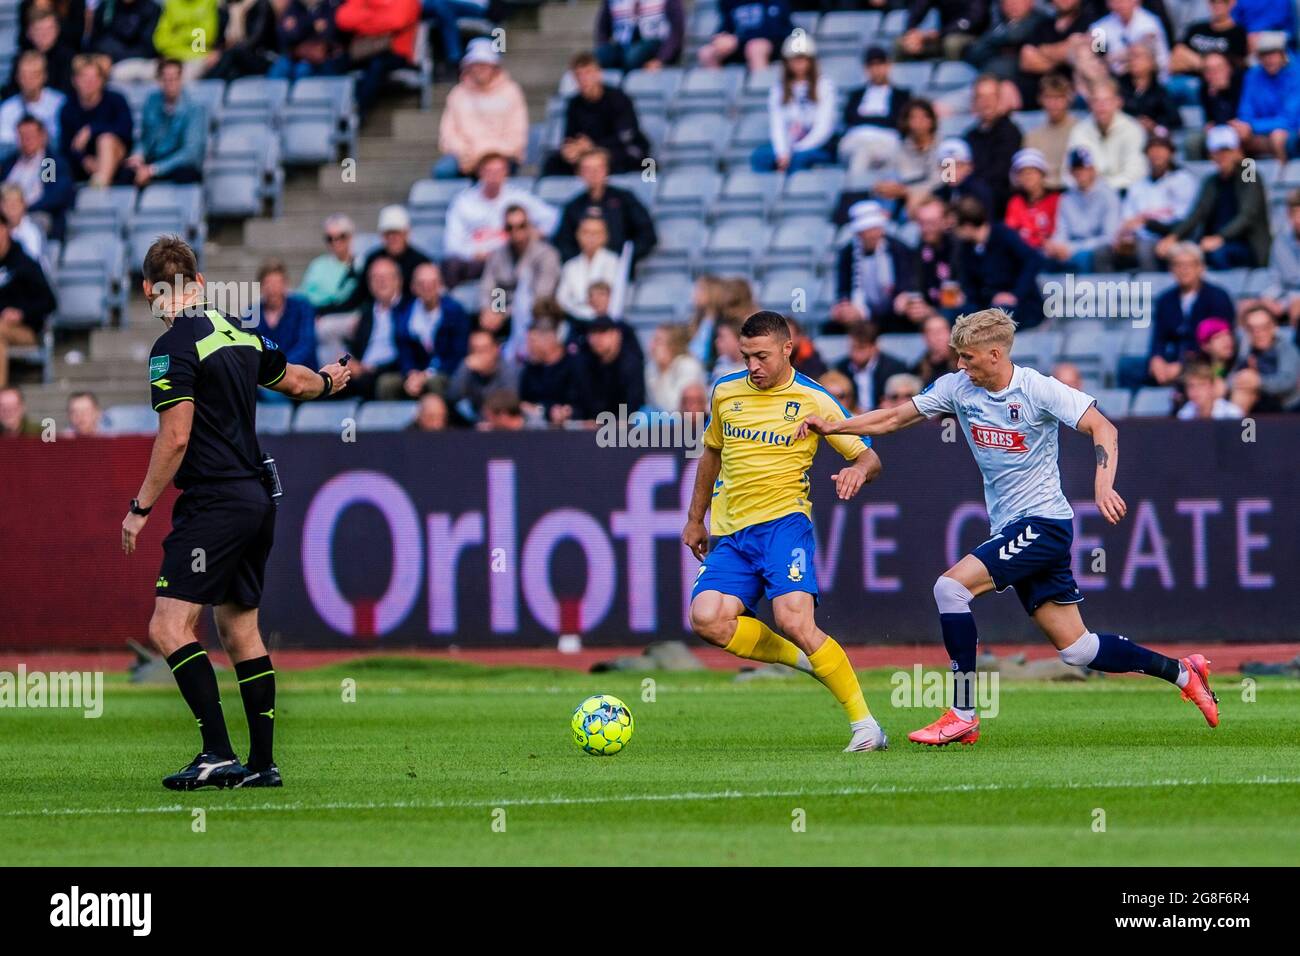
688, 796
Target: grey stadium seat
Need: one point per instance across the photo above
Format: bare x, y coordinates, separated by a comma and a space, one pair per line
745, 192
907, 347
558, 190
1153, 402
687, 189
130, 420
324, 416
274, 418
1113, 402
386, 416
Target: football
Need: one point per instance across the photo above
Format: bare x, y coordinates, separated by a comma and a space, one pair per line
602, 725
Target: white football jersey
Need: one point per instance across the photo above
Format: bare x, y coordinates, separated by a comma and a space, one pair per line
1013, 434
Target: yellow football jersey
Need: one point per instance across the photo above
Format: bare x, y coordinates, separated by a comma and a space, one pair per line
764, 472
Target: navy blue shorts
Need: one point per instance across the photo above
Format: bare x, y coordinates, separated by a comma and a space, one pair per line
1032, 555
763, 560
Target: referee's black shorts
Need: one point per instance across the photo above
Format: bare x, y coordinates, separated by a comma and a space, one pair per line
221, 536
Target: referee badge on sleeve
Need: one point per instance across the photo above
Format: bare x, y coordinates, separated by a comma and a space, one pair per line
158, 366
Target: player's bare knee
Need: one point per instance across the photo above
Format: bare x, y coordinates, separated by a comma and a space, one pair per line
798, 626
165, 634
711, 624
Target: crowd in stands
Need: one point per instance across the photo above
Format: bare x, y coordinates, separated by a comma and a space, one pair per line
1119, 137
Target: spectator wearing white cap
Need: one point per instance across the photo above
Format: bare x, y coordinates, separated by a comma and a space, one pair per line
1087, 219
1229, 220
1114, 139
1153, 204
1031, 210
954, 177
801, 112
1269, 113
394, 229
485, 113
476, 220
874, 274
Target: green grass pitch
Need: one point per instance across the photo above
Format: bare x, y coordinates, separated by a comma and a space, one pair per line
434, 757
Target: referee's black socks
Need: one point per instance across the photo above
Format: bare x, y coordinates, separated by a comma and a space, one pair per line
257, 688
198, 683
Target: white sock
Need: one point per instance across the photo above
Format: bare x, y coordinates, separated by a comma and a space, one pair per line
803, 664
865, 723
1083, 651
1182, 675
965, 713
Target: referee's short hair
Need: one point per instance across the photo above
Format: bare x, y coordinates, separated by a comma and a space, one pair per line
766, 322
169, 257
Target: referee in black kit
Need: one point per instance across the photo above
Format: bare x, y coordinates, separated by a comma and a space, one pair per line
204, 373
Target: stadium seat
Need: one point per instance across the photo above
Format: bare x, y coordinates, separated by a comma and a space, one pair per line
429, 199
832, 348
687, 189
706, 90
756, 89
735, 243
745, 192
324, 416
680, 240
467, 295
232, 189
952, 75
1233, 281
308, 136
665, 300
558, 190
907, 347
790, 292
915, 75
799, 241
847, 30
386, 416
844, 70
130, 420
274, 418
1153, 402
644, 189
428, 239
811, 191
254, 98
101, 211
895, 23
654, 89
752, 130
83, 301
696, 137
1113, 402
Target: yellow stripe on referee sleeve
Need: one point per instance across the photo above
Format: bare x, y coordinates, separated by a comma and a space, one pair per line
172, 401
277, 378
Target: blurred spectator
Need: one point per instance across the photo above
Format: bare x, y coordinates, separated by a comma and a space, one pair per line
993, 140
1052, 138
96, 126
671, 367
841, 389
956, 175
915, 160
1220, 91
613, 368
593, 263
373, 343
1128, 24
1153, 204
33, 98
1217, 344
331, 280
1284, 263
485, 115
28, 235
173, 132
873, 116
997, 51
502, 411
1087, 219
996, 266
960, 22
867, 366
640, 34
287, 320
695, 401
433, 337
749, 32
181, 22
716, 299
872, 271
1112, 137
1031, 211
307, 40
72, 17
726, 349
1067, 373
123, 31
553, 385
1145, 98
48, 197
394, 228
1269, 113
525, 256
1258, 16
1230, 216
430, 414
44, 35
1053, 50
85, 417
1219, 34
476, 219
1204, 401
485, 371
1270, 365
1179, 310
900, 389
26, 300
626, 219
598, 116
801, 113
13, 409
248, 43
936, 263
804, 355
383, 40
938, 358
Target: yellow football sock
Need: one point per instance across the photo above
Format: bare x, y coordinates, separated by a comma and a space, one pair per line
831, 666
755, 641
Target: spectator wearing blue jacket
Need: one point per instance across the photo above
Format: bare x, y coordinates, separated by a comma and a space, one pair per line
288, 320
1259, 16
432, 336
95, 125
1270, 100
173, 135
996, 267
750, 32
1179, 310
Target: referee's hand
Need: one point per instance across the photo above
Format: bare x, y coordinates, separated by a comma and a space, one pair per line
339, 375
132, 525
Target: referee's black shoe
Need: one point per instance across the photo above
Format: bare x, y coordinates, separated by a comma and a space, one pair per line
207, 770
266, 777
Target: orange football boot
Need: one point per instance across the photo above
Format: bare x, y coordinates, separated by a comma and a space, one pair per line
1198, 687
948, 729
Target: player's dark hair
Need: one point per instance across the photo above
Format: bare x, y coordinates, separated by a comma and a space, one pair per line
766, 322
169, 257
971, 212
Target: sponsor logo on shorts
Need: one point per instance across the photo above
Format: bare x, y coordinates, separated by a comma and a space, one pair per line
986, 436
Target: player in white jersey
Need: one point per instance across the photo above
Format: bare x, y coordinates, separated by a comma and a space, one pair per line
1010, 416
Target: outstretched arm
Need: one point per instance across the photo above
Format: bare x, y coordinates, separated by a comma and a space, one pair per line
302, 383
1105, 445
882, 421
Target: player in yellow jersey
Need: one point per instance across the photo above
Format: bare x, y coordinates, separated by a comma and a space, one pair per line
753, 477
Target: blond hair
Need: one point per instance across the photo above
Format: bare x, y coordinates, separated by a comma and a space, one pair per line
986, 327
